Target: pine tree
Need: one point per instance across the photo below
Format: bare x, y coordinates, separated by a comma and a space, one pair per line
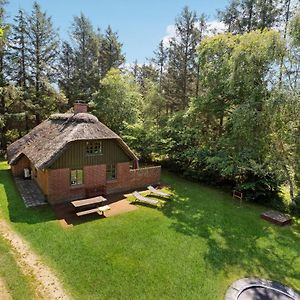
3, 79
43, 42
110, 55
19, 60
248, 19
268, 13
160, 60
247, 15
231, 16
19, 50
67, 70
85, 44
182, 67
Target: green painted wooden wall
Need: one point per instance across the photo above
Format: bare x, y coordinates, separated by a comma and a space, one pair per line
75, 155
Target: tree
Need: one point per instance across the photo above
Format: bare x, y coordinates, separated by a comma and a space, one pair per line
160, 60
118, 100
43, 46
19, 50
3, 73
248, 15
110, 54
230, 114
20, 60
182, 67
231, 16
215, 67
85, 44
67, 71
283, 113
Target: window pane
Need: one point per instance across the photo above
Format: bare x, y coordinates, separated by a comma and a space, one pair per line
94, 147
111, 172
76, 177
79, 177
73, 177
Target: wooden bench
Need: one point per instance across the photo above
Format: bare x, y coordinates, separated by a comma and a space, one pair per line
87, 212
99, 210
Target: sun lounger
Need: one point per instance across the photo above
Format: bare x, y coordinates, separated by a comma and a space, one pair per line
156, 192
141, 198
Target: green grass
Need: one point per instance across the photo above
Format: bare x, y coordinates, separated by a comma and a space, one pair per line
18, 285
191, 248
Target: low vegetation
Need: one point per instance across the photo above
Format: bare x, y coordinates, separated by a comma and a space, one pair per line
15, 283
194, 246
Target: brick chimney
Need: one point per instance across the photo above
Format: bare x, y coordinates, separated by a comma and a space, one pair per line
80, 107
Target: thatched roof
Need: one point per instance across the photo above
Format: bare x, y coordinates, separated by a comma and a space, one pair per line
44, 143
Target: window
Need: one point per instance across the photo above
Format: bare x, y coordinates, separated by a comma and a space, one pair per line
111, 172
94, 148
76, 177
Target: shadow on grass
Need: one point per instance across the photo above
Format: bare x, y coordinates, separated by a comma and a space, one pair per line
235, 237
17, 212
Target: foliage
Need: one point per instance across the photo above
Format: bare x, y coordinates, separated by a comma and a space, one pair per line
295, 29
249, 15
117, 101
87, 59
110, 55
182, 75
219, 108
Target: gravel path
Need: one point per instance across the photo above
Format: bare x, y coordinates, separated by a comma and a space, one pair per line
49, 286
3, 291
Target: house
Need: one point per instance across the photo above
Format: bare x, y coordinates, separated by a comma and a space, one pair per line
74, 155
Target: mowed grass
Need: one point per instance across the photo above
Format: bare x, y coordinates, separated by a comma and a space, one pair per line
193, 247
18, 285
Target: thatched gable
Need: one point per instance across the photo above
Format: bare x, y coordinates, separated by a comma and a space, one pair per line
44, 143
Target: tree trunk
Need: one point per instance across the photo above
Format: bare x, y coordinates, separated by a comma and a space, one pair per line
37, 119
287, 17
291, 184
3, 138
198, 79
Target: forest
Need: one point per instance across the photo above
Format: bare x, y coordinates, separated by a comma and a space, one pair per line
218, 108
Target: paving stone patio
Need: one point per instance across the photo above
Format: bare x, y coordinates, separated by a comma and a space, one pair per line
30, 192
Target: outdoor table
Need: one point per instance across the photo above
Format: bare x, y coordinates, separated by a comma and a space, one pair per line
86, 202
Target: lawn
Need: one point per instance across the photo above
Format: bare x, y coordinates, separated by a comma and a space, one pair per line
191, 248
17, 284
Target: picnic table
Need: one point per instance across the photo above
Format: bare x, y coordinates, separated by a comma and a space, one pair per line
90, 201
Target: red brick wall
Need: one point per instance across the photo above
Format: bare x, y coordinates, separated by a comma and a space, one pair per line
59, 189
94, 176
18, 168
122, 182
58, 185
145, 176
128, 180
